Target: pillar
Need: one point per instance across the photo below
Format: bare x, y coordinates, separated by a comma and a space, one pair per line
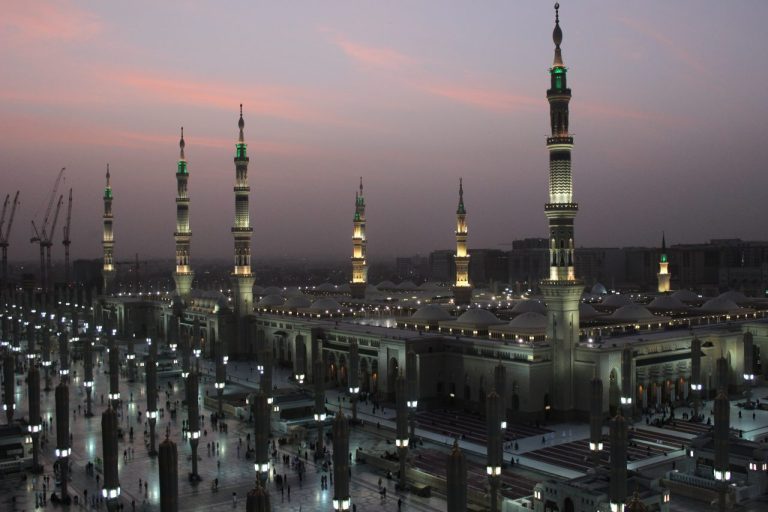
456, 479
319, 381
62, 436
617, 489
111, 489
696, 375
169, 476
494, 453
596, 420
9, 386
193, 417
114, 374
341, 497
721, 433
34, 427
354, 377
88, 374
401, 420
261, 423
412, 385
150, 374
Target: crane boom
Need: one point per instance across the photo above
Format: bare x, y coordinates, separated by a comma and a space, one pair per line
56, 216
69, 218
5, 208
4, 236
44, 231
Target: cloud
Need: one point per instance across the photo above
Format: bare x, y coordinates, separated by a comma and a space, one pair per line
48, 20
482, 97
680, 52
372, 56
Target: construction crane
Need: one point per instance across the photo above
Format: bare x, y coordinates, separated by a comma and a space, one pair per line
65, 239
43, 236
6, 233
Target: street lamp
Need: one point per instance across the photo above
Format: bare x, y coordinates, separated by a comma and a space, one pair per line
300, 378
341, 504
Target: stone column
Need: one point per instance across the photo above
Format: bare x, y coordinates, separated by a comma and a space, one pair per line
456, 479
354, 377
319, 380
169, 477
412, 384
114, 373
35, 424
9, 386
261, 422
341, 497
596, 420
150, 374
696, 375
500, 386
627, 398
111, 489
495, 453
617, 489
63, 356
221, 380
401, 439
88, 374
131, 357
63, 448
257, 500
721, 434
749, 368
193, 417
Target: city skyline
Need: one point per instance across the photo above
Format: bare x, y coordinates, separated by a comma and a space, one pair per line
412, 101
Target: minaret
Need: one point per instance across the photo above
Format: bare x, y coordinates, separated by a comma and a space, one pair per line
183, 275
242, 230
359, 264
562, 292
462, 290
108, 241
663, 275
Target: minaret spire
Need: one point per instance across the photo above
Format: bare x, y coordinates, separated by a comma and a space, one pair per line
242, 232
183, 276
462, 290
107, 240
562, 291
664, 277
359, 242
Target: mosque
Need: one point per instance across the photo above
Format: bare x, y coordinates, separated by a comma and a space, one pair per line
651, 348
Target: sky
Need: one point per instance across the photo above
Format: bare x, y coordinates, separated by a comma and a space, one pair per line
668, 116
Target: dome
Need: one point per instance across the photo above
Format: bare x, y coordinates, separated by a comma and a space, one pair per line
386, 285
407, 285
326, 287
529, 321
325, 304
686, 296
587, 312
258, 290
272, 290
345, 288
667, 303
271, 300
292, 291
528, 306
479, 317
431, 313
297, 301
719, 305
632, 313
737, 297
616, 300
598, 289
430, 286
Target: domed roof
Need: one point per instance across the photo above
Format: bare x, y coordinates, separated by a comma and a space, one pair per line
345, 288
479, 317
430, 286
632, 313
737, 297
407, 285
325, 304
431, 313
292, 291
598, 289
686, 296
667, 303
719, 305
587, 312
271, 300
272, 290
297, 301
529, 321
326, 287
258, 290
386, 285
526, 306
616, 300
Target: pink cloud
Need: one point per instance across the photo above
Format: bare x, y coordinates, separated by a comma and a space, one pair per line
372, 56
680, 52
483, 97
48, 20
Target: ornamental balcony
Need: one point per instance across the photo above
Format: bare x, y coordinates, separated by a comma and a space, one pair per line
559, 139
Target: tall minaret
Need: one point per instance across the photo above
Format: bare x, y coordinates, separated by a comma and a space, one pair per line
462, 290
242, 230
359, 264
108, 241
562, 292
183, 275
664, 275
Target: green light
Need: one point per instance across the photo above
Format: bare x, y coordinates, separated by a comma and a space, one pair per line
108, 193
241, 150
182, 168
663, 258
357, 216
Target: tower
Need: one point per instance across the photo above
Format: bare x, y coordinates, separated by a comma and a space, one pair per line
562, 291
108, 241
183, 275
242, 230
462, 290
664, 276
359, 264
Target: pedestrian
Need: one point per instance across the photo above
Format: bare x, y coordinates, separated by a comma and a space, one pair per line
234, 499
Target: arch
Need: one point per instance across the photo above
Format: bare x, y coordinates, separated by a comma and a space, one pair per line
551, 506
568, 505
331, 368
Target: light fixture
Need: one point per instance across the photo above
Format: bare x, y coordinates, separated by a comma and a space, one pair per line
595, 447
151, 414
320, 416
401, 443
493, 470
342, 504
63, 453
88, 383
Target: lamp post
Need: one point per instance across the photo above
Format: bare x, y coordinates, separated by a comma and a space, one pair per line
495, 454
412, 397
169, 476
456, 478
401, 439
150, 374
354, 377
64, 356
722, 429
261, 421
319, 378
193, 418
88, 371
696, 376
45, 354
596, 420
114, 372
111, 490
9, 386
221, 381
617, 489
131, 358
63, 448
341, 497
35, 424
749, 375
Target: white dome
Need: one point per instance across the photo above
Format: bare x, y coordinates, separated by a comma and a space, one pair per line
599, 289
737, 297
479, 317
530, 306
529, 321
686, 296
587, 312
632, 313
407, 285
667, 303
272, 290
326, 287
719, 305
292, 291
431, 313
325, 304
616, 301
297, 301
386, 285
271, 300
258, 290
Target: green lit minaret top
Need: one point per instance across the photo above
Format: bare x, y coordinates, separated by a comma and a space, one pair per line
460, 210
182, 169
558, 69
663, 248
108, 188
241, 146
359, 201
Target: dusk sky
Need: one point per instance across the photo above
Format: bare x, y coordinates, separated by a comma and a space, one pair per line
668, 114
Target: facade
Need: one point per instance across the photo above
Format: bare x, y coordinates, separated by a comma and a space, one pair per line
108, 241
359, 264
183, 276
